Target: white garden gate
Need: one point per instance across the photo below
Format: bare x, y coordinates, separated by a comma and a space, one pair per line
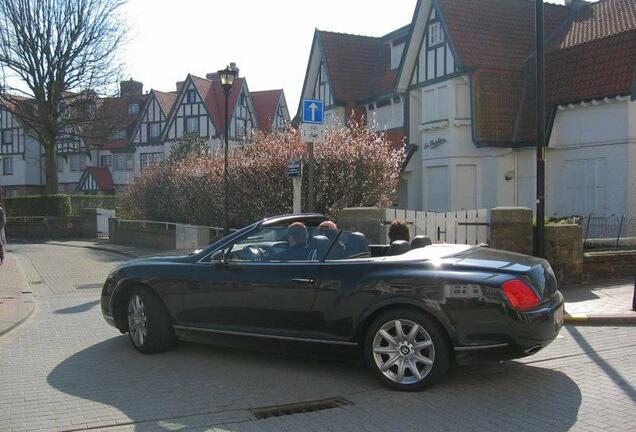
102, 221
461, 227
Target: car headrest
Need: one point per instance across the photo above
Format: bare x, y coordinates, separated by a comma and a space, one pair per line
420, 242
399, 247
320, 242
357, 245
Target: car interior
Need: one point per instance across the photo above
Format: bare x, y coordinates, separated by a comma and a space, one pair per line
313, 243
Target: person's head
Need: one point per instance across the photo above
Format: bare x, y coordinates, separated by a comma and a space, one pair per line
328, 229
399, 230
297, 234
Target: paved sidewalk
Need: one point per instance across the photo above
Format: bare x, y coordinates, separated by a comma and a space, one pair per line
16, 299
607, 303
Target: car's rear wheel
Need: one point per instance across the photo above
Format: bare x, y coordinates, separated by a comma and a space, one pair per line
407, 350
149, 327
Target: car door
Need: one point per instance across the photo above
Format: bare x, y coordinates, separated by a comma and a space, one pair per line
252, 296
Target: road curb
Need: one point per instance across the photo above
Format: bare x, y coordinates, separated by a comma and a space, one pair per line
627, 319
97, 248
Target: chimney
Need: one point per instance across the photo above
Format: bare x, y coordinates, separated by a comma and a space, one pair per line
179, 85
576, 4
235, 68
131, 88
212, 76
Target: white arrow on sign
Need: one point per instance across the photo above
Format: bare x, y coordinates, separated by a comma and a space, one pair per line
313, 107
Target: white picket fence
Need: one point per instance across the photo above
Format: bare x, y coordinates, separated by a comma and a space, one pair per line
461, 227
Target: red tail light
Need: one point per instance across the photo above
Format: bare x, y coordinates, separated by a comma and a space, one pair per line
520, 295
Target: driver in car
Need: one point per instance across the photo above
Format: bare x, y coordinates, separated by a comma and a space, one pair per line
297, 241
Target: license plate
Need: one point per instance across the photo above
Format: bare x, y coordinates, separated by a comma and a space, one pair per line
558, 315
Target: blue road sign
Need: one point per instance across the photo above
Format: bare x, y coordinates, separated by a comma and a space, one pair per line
313, 111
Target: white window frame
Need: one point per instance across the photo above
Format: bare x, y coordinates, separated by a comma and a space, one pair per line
108, 158
187, 124
435, 33
126, 165
133, 108
150, 130
7, 165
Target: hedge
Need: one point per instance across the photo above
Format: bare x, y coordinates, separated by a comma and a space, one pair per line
56, 205
38, 205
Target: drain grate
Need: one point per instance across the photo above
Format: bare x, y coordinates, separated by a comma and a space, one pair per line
89, 286
300, 408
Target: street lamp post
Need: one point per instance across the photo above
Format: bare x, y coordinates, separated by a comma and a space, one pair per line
227, 77
540, 114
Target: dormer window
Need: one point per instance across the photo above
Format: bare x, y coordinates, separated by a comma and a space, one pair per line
191, 96
118, 134
133, 108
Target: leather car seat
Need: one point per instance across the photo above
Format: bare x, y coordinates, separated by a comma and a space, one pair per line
420, 242
357, 246
399, 247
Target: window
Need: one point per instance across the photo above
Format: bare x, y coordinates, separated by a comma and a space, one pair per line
11, 193
7, 166
60, 164
462, 101
7, 136
146, 159
78, 162
154, 130
123, 161
435, 104
118, 134
106, 161
192, 124
371, 107
191, 96
435, 33
133, 108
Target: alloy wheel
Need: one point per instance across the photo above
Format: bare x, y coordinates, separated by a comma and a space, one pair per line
403, 351
137, 322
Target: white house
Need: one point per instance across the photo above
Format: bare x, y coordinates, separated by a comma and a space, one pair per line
131, 131
458, 84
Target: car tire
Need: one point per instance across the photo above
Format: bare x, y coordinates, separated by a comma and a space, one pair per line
149, 326
392, 350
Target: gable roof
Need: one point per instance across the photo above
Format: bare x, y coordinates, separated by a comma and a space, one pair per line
103, 178
495, 34
590, 53
265, 105
166, 100
359, 67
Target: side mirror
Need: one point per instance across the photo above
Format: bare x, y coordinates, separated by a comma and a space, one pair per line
218, 257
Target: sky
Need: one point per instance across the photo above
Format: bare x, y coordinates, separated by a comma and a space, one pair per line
269, 40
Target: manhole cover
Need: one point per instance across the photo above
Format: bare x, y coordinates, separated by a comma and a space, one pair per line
89, 286
300, 408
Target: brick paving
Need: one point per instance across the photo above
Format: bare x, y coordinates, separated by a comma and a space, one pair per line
614, 298
64, 369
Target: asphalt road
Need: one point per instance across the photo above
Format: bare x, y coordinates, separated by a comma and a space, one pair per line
65, 369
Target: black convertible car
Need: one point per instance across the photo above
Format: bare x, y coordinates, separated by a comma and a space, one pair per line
412, 308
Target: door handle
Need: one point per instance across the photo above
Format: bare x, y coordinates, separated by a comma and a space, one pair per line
304, 281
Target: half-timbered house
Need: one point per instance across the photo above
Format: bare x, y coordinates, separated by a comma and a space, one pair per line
271, 110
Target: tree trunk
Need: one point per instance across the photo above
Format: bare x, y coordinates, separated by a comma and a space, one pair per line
50, 167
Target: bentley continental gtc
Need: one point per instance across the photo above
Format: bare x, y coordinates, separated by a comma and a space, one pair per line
412, 308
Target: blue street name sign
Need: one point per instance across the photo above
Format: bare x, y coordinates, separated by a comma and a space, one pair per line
313, 111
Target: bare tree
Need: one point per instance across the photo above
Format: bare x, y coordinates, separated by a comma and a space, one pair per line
56, 56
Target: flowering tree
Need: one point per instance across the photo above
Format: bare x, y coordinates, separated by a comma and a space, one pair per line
354, 167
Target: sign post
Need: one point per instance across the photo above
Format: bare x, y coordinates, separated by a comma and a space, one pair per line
312, 131
295, 171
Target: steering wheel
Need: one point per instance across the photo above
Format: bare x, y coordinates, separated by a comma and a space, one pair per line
252, 253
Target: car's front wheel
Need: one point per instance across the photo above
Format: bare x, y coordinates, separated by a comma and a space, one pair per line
149, 326
407, 350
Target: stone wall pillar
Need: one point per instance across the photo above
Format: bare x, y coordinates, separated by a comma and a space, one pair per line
564, 252
367, 220
89, 222
511, 229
